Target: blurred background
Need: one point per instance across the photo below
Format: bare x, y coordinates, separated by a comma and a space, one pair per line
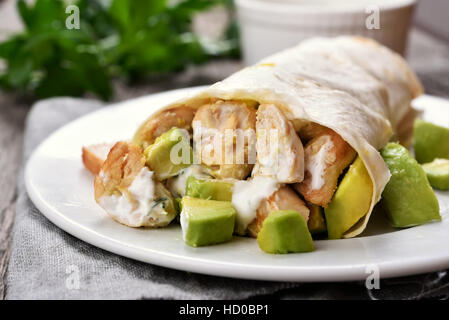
114, 49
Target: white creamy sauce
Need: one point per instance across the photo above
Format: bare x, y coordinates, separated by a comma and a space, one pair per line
316, 164
267, 146
287, 161
268, 162
268, 155
136, 207
177, 185
119, 207
184, 225
247, 196
142, 187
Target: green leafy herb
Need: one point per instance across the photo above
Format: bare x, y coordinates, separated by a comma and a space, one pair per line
130, 39
158, 202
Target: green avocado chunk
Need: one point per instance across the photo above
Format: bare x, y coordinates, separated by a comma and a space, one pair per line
285, 231
206, 222
211, 189
408, 197
170, 153
438, 173
430, 141
316, 223
351, 201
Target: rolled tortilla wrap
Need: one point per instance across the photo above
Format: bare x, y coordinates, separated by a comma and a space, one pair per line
351, 85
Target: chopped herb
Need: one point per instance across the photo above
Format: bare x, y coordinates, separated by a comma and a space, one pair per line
158, 202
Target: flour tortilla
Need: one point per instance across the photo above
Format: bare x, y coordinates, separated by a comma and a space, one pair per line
351, 85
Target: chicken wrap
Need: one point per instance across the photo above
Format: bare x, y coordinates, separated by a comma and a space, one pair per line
330, 104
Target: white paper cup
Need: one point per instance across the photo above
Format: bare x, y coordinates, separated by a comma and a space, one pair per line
268, 26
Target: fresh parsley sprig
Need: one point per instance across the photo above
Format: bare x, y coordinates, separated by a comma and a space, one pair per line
129, 39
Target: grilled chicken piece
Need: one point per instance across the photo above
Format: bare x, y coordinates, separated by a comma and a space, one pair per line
126, 190
180, 117
224, 137
283, 199
123, 164
94, 156
326, 156
308, 130
280, 153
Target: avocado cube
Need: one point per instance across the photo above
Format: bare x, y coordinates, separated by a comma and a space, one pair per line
178, 204
285, 231
170, 153
316, 223
437, 173
430, 141
210, 189
206, 222
351, 201
408, 198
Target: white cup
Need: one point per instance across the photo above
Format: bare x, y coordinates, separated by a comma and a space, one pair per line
268, 26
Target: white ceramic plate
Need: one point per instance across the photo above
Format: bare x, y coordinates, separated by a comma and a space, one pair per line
63, 191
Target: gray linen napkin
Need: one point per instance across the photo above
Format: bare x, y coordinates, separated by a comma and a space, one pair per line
46, 262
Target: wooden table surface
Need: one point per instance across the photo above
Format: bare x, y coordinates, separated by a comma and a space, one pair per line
427, 55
